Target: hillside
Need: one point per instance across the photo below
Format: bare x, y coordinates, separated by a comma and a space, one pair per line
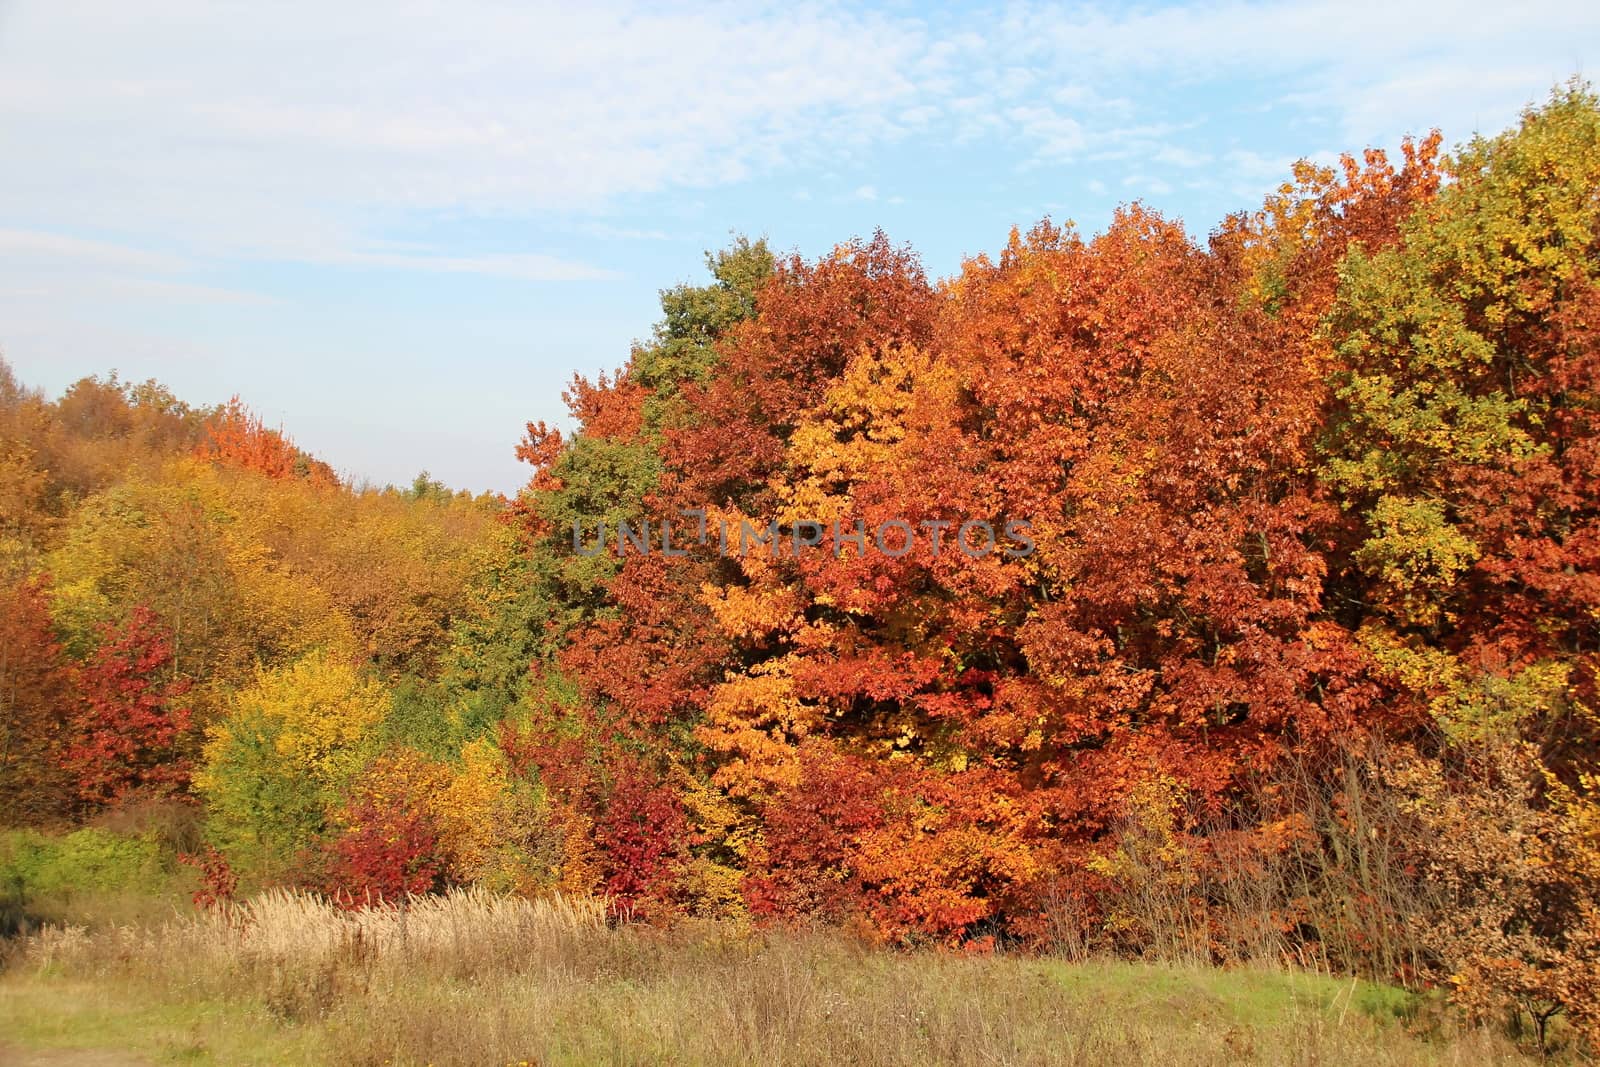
1224, 604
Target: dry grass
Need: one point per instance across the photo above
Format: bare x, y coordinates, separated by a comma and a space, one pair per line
471, 978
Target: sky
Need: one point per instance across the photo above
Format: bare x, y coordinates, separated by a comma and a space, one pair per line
396, 229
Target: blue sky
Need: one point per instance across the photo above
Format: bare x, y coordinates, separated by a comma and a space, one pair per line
398, 228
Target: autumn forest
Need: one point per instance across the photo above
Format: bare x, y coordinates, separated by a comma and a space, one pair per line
1302, 666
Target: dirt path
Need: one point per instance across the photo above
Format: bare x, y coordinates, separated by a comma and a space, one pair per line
11, 1056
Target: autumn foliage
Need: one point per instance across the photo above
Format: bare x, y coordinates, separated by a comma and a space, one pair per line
34, 674
1303, 659
129, 735
237, 437
1326, 479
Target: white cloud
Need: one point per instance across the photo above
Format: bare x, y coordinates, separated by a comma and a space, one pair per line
1056, 137
155, 289
865, 192
40, 245
155, 151
280, 130
1351, 75
920, 116
521, 266
1146, 183
288, 130
623, 233
36, 266
1177, 156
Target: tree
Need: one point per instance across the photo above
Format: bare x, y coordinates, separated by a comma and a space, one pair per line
236, 437
388, 842
1465, 445
38, 689
282, 759
129, 737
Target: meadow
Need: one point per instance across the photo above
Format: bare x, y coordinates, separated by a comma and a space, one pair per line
469, 978
1270, 734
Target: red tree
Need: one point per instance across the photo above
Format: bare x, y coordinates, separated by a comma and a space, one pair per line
386, 853
37, 685
641, 834
236, 437
128, 735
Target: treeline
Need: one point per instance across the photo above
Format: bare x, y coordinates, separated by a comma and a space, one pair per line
1303, 661
159, 561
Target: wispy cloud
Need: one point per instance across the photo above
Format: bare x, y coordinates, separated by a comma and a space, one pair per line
607, 232
523, 266
1146, 183
43, 245
37, 265
148, 289
169, 152
257, 130
281, 130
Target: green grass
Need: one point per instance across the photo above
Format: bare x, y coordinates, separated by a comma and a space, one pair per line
57, 1013
475, 980
781, 1002
92, 876
1248, 996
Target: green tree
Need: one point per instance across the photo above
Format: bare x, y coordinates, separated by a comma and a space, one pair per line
1465, 442
280, 761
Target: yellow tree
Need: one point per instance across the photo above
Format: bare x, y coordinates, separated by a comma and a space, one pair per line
282, 758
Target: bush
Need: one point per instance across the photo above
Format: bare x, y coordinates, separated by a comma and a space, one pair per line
93, 875
35, 864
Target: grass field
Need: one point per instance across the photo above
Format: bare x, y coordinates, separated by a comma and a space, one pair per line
473, 980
